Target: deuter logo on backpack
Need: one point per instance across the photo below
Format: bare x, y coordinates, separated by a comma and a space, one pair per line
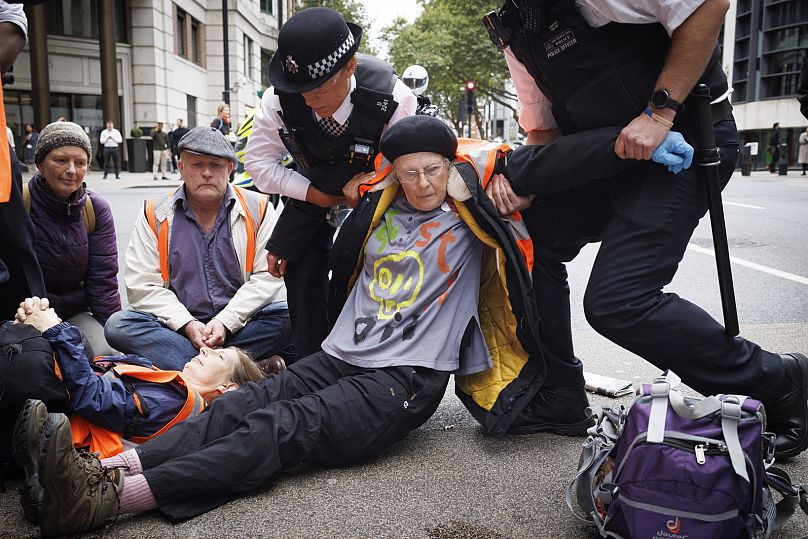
673, 530
675, 467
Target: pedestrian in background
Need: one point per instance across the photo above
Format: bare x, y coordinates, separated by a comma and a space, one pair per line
802, 158
774, 147
159, 150
29, 143
179, 132
110, 138
222, 119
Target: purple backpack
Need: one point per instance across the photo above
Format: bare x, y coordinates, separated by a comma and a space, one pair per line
676, 467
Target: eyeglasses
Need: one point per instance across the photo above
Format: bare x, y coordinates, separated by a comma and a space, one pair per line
432, 172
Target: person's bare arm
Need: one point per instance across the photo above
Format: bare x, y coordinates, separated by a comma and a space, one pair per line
543, 137
12, 40
692, 44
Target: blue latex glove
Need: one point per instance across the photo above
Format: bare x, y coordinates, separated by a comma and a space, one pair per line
674, 153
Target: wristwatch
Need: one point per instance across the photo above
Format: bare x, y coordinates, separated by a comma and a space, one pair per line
662, 100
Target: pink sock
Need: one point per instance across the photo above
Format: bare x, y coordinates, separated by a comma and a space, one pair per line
128, 460
136, 495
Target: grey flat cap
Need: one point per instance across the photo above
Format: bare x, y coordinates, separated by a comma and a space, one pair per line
207, 141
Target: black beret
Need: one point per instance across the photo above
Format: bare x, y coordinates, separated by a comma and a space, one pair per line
418, 134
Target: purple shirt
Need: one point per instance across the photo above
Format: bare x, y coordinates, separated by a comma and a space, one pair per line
203, 267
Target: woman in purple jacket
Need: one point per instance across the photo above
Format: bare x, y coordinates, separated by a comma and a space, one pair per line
75, 239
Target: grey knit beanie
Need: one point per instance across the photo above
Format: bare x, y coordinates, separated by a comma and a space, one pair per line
60, 134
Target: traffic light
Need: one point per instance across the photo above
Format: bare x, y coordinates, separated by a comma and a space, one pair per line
470, 85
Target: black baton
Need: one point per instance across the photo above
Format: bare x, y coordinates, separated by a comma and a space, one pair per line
708, 158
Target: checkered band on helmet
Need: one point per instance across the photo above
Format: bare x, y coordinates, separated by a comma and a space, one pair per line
322, 67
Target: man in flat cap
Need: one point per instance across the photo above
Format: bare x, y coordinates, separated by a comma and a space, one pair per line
196, 267
328, 108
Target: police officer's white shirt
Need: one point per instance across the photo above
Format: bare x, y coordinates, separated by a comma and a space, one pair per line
265, 151
534, 107
110, 138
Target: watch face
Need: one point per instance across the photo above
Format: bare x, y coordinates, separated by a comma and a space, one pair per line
659, 99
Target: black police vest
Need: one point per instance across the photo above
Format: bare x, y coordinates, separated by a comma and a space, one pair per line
373, 107
594, 77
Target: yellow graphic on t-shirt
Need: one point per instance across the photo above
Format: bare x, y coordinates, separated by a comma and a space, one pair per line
391, 289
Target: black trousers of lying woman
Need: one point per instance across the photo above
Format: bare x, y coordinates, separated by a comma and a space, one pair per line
322, 410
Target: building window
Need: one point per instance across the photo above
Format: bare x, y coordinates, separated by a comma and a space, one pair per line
248, 61
196, 42
189, 37
266, 6
181, 49
769, 40
79, 18
190, 106
266, 57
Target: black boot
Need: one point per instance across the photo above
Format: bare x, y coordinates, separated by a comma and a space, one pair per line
558, 410
788, 416
27, 439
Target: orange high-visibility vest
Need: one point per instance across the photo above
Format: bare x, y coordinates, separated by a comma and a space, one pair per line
161, 232
5, 155
109, 443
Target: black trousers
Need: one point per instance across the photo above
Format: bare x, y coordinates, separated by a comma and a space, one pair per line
112, 154
307, 292
321, 410
644, 218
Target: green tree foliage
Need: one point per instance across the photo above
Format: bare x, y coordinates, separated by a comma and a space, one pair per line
449, 40
353, 11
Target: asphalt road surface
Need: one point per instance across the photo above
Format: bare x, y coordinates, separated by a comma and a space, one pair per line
448, 480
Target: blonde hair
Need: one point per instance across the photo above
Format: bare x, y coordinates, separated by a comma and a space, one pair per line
244, 370
220, 109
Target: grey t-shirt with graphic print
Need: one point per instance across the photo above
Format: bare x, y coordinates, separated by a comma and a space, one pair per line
415, 300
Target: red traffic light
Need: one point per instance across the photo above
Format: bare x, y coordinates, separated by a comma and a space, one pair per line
470, 85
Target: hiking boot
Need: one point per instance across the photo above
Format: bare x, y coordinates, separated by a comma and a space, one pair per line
271, 365
25, 446
80, 493
787, 417
558, 410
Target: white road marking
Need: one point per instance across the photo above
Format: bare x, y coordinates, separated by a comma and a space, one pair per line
744, 205
752, 265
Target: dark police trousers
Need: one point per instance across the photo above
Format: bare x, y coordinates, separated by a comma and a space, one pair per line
321, 410
644, 218
307, 291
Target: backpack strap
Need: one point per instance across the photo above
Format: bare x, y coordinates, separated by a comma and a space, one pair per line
88, 215
161, 233
26, 197
250, 227
87, 212
730, 416
794, 495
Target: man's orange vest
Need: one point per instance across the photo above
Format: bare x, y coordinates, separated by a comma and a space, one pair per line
5, 156
108, 443
160, 230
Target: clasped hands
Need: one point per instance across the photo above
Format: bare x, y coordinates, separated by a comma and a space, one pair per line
37, 312
211, 334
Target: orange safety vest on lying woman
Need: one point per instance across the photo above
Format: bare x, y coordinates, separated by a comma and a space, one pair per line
108, 443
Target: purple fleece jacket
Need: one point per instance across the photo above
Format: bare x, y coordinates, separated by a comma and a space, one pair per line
81, 271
